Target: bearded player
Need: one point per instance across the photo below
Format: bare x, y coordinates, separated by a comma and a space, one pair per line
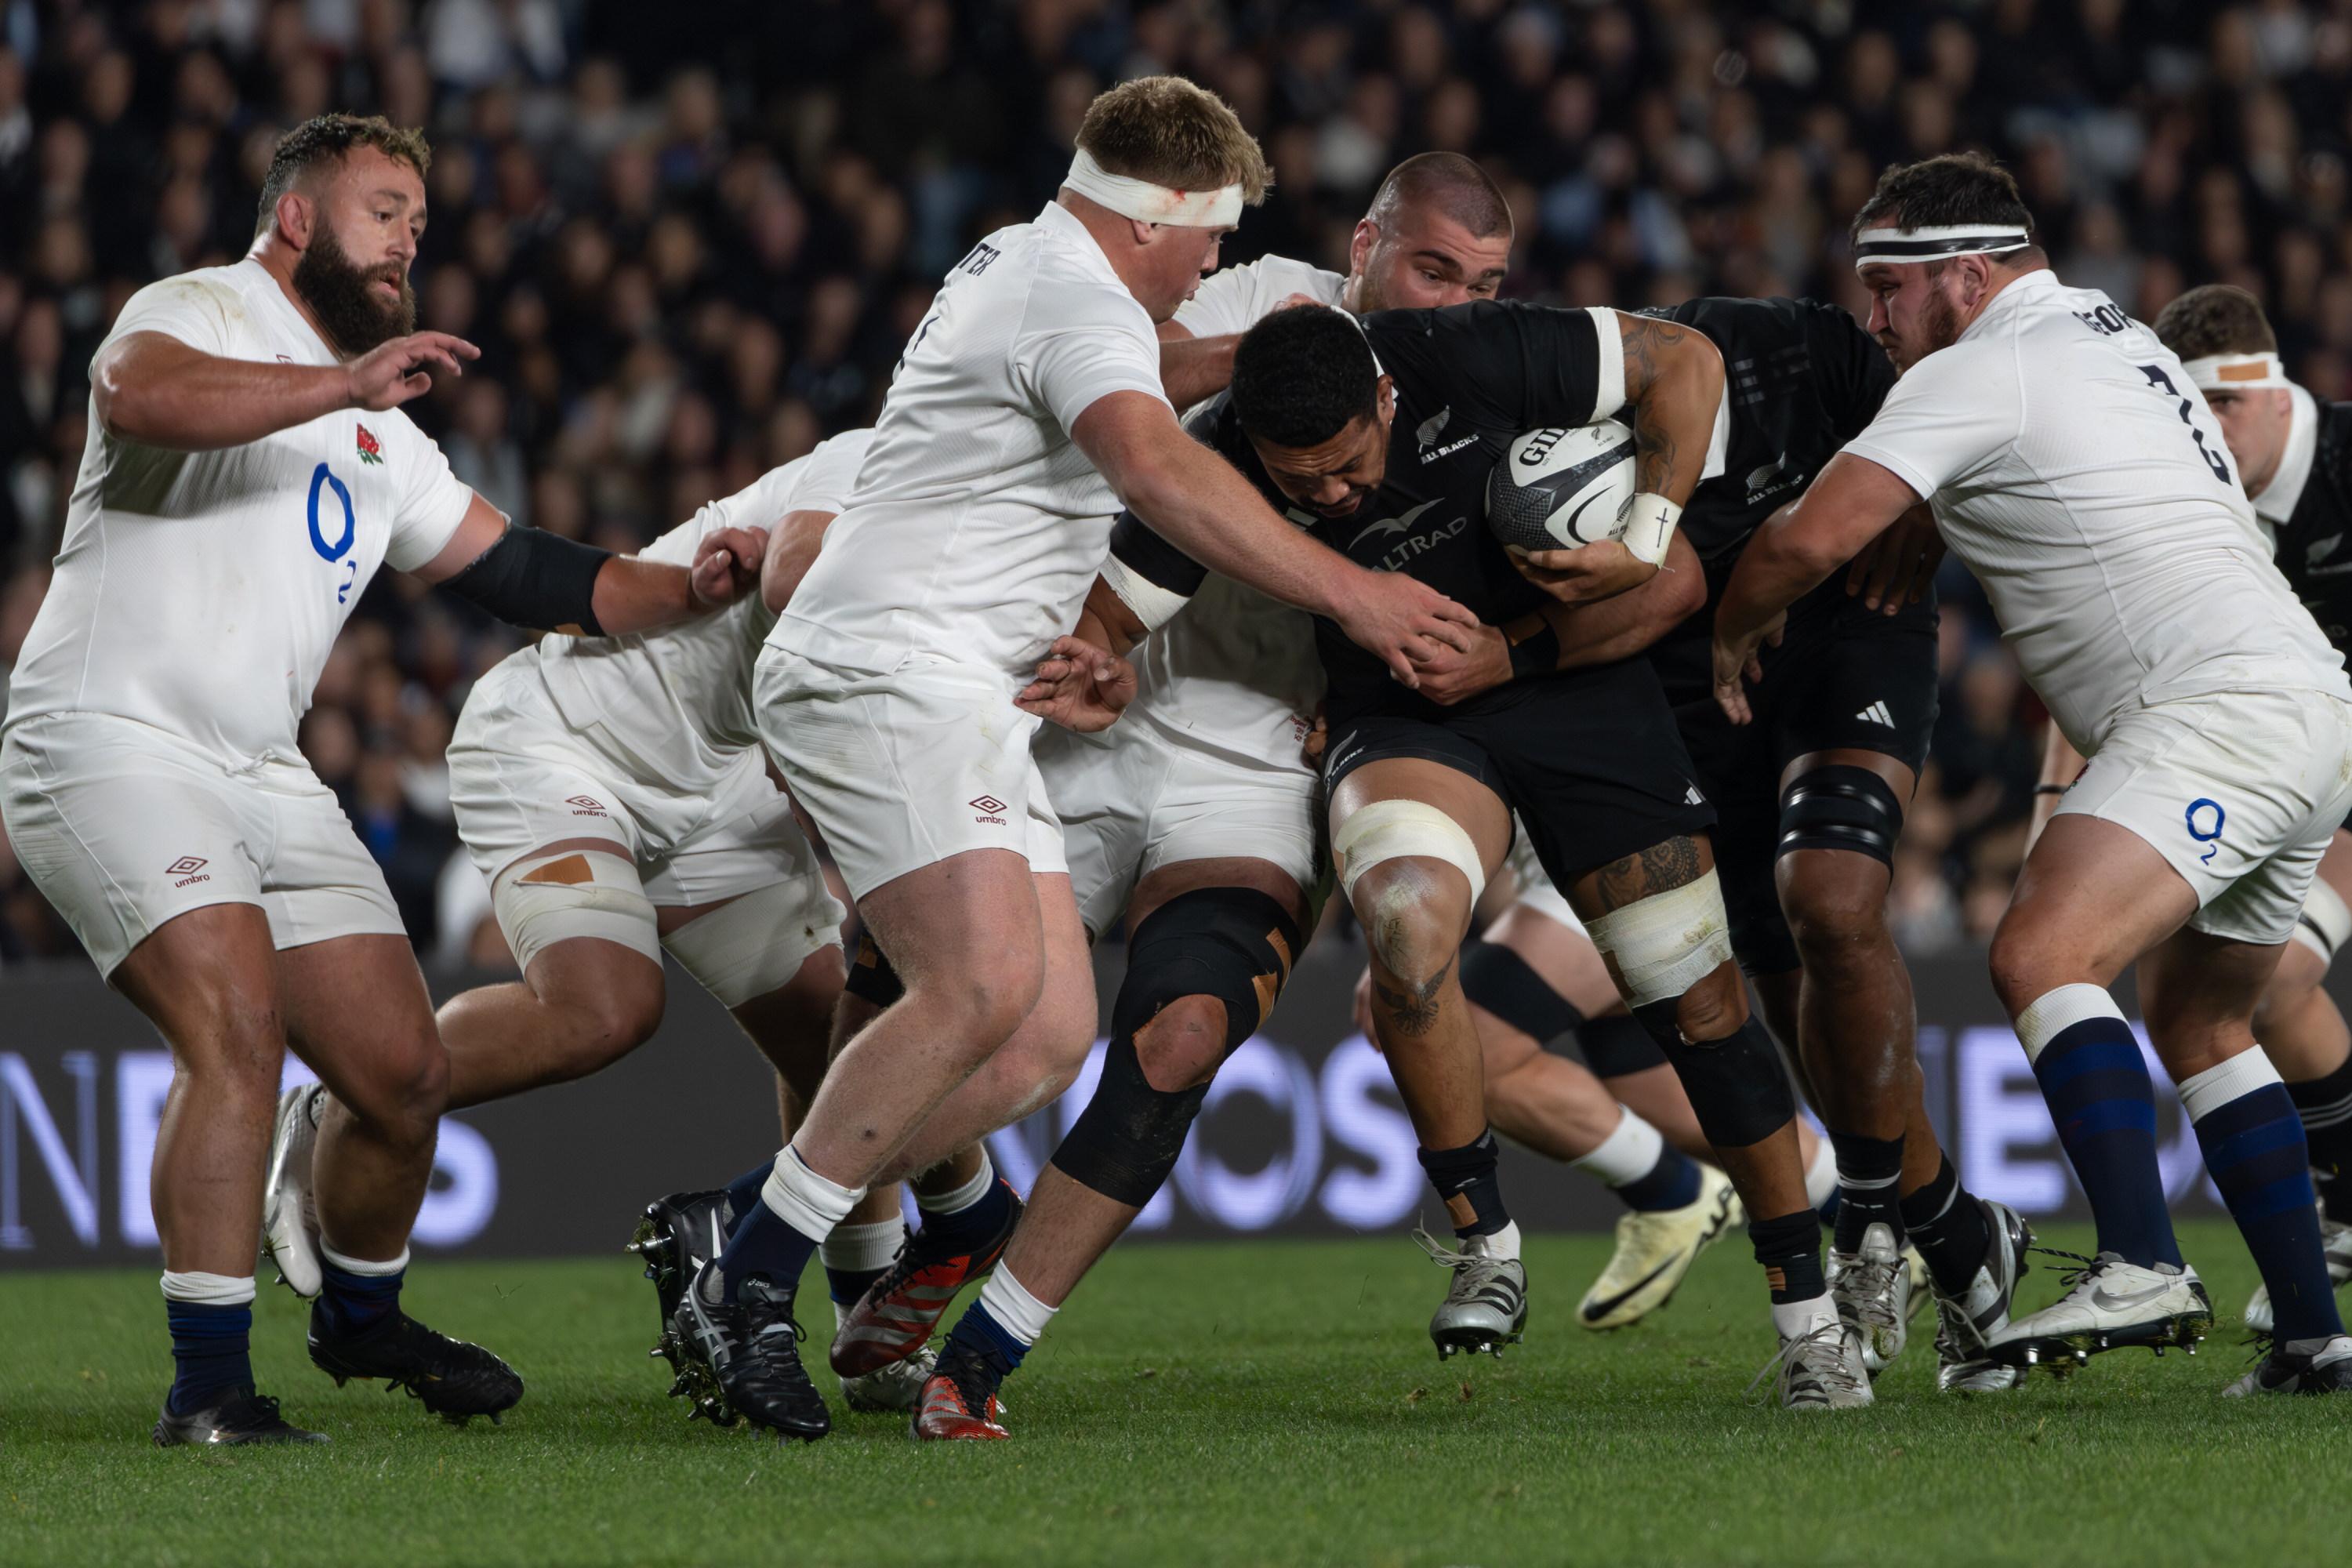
2075, 469
248, 471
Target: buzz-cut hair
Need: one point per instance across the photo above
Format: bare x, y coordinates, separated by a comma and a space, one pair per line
1948, 192
1172, 133
2216, 319
1302, 375
1450, 184
330, 138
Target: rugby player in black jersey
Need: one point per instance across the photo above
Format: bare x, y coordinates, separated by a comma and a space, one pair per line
2294, 459
1381, 439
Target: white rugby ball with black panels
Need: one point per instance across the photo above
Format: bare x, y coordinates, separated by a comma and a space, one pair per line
1556, 489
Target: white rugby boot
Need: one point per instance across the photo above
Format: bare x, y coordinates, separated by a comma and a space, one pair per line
897, 1386
1818, 1367
290, 1216
2335, 1241
1656, 1249
2109, 1304
1872, 1289
1966, 1324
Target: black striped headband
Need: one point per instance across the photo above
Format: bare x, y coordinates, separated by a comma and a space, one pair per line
1897, 245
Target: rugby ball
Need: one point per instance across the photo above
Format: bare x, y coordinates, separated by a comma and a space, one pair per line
1556, 489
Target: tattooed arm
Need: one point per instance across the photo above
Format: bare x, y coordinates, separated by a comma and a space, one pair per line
1673, 386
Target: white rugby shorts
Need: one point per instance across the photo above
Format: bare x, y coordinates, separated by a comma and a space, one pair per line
521, 779
2239, 792
123, 827
1536, 892
902, 770
1133, 799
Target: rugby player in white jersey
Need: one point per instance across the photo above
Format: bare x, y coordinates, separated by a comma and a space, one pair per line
248, 471
613, 794
1027, 408
2072, 463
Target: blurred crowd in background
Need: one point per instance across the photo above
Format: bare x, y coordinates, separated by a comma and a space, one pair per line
692, 240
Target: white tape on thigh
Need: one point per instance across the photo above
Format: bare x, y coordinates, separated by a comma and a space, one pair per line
754, 944
542, 899
1668, 942
2327, 921
1395, 829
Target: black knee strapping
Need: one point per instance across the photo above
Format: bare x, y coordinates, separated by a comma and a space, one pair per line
1506, 985
1231, 944
1616, 1045
1737, 1086
871, 978
1841, 807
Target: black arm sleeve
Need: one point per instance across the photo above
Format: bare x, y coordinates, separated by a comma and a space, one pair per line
535, 579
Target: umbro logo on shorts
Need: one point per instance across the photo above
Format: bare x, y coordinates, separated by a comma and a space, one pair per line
586, 806
1876, 713
987, 806
187, 868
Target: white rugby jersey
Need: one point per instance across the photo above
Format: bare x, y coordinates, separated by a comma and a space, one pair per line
199, 593
673, 707
977, 525
1232, 299
1235, 673
2078, 472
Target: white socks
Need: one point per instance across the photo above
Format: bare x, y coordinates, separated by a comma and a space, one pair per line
1017, 1312
365, 1268
1503, 1244
958, 1199
862, 1249
1630, 1152
807, 1202
207, 1290
1798, 1319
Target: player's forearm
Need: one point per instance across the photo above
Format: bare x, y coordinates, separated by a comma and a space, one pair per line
1192, 369
793, 546
159, 392
1619, 627
1201, 504
637, 595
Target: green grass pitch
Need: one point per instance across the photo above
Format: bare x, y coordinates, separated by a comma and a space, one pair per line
1231, 1403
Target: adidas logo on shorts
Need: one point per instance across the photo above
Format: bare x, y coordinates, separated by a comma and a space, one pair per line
1876, 713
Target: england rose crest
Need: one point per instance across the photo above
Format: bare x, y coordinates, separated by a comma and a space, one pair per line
370, 452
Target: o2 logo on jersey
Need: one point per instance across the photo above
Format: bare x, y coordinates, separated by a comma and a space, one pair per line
323, 478
2203, 833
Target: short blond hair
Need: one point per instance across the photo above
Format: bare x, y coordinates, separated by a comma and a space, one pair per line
1172, 133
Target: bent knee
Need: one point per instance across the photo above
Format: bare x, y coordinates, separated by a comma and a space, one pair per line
1414, 918
1715, 1007
1184, 1044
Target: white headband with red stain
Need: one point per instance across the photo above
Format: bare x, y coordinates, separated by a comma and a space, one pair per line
1147, 203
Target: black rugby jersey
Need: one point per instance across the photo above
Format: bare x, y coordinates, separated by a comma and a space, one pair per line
1469, 380
2315, 543
1804, 379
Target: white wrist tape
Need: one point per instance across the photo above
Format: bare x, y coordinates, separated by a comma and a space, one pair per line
1147, 203
1649, 524
1154, 605
2237, 372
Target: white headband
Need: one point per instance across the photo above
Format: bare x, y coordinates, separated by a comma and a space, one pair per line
1884, 245
2237, 372
1147, 203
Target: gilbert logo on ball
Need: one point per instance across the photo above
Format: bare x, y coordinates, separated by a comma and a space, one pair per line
1563, 487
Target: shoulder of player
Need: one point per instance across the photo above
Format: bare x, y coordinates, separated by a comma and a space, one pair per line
221, 288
